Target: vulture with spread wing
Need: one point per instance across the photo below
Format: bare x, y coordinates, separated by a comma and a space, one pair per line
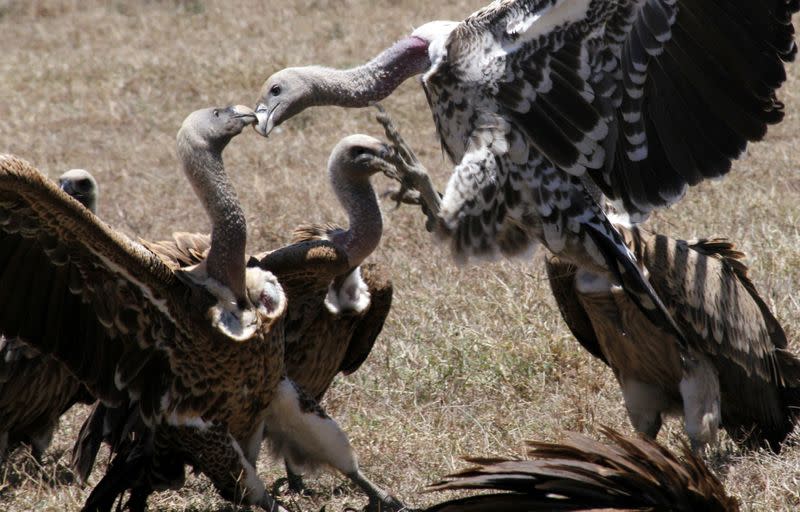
540, 102
36, 389
734, 369
334, 314
195, 353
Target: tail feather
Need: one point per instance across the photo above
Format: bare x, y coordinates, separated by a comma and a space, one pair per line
90, 437
125, 471
110, 424
583, 474
622, 263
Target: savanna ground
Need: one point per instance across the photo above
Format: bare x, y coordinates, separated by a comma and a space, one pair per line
473, 360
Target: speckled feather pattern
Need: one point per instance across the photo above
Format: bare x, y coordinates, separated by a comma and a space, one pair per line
526, 94
141, 330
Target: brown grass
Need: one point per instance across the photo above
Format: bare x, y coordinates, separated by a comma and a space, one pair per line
473, 360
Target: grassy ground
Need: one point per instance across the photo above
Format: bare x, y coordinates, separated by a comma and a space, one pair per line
473, 360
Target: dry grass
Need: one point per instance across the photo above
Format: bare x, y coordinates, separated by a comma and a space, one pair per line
473, 360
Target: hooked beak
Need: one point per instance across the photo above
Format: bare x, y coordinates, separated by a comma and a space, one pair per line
66, 186
245, 113
385, 160
265, 119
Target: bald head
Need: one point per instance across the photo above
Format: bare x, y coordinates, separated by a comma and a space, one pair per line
360, 156
213, 128
81, 185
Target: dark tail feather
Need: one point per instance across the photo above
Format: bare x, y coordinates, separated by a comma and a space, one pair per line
789, 365
623, 265
584, 474
110, 424
90, 437
125, 471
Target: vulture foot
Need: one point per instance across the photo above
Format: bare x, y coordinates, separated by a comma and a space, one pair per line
416, 186
379, 500
294, 485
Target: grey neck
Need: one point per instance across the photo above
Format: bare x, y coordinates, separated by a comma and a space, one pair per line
371, 82
364, 216
226, 257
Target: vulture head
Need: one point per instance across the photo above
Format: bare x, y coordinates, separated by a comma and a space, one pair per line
81, 185
216, 126
359, 156
284, 95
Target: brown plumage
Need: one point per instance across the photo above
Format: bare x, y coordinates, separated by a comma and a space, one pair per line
584, 474
737, 371
331, 322
135, 331
36, 389
324, 335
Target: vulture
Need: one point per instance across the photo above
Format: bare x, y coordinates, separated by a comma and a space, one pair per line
735, 368
197, 352
584, 474
336, 306
542, 104
36, 389
737, 371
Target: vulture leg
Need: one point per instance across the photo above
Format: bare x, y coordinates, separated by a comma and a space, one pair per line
644, 403
701, 400
41, 439
411, 174
304, 435
295, 481
225, 463
221, 457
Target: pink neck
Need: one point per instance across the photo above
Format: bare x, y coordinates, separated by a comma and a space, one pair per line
373, 81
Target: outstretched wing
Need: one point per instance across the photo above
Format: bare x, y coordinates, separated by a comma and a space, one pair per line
648, 96
74, 288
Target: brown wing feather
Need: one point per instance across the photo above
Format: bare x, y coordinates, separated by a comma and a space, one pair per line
184, 250
583, 474
88, 312
707, 296
726, 251
35, 390
307, 264
306, 232
707, 290
371, 323
561, 277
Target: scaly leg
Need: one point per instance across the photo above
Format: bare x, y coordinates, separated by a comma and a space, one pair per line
411, 174
220, 457
301, 432
701, 401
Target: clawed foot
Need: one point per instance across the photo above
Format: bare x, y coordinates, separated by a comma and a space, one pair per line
390, 504
401, 196
294, 485
416, 186
271, 505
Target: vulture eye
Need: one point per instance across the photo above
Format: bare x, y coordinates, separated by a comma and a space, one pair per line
275, 90
84, 184
216, 113
358, 151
